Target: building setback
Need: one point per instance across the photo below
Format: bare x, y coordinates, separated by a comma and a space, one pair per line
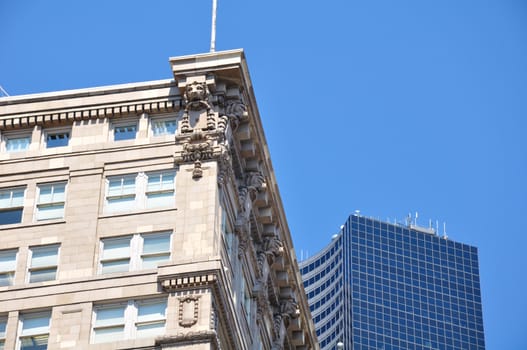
388, 286
146, 216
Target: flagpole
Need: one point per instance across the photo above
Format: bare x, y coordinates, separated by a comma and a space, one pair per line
213, 29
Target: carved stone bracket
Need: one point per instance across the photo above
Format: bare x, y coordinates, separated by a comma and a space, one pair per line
188, 311
235, 111
272, 248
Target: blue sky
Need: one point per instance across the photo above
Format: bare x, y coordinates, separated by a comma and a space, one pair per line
388, 107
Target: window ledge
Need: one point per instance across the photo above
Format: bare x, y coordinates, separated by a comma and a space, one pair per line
32, 224
136, 212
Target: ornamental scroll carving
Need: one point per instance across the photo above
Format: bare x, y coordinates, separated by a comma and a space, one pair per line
188, 311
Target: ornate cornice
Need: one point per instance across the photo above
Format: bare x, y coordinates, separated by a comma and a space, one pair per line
91, 112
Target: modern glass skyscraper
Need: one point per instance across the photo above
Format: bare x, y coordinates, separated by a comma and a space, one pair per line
388, 286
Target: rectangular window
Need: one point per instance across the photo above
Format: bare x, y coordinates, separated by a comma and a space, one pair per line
129, 253
156, 249
3, 326
57, 139
124, 132
11, 205
17, 144
134, 319
34, 332
7, 266
160, 189
51, 200
120, 195
109, 323
151, 317
162, 127
115, 255
140, 191
43, 263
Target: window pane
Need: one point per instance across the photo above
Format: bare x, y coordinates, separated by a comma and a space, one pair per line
44, 256
115, 266
3, 324
11, 216
18, 197
125, 132
156, 243
39, 342
5, 198
159, 182
150, 329
164, 127
8, 260
151, 262
121, 186
109, 334
116, 248
151, 311
158, 200
58, 192
50, 212
37, 324
42, 275
46, 194
57, 140
17, 144
6, 279
110, 316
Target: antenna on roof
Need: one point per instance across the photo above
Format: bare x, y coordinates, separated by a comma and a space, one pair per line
213, 28
3, 92
444, 230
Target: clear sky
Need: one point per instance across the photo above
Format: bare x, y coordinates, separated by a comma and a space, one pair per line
384, 106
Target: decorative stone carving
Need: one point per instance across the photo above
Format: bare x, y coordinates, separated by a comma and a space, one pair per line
235, 111
253, 182
196, 148
196, 98
289, 310
272, 248
205, 336
225, 169
188, 311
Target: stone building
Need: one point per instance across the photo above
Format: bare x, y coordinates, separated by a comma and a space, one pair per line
146, 216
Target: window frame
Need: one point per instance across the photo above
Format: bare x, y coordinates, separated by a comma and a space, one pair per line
31, 268
131, 318
13, 207
33, 315
59, 204
10, 273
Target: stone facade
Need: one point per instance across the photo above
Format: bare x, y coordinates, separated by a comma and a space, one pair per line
146, 216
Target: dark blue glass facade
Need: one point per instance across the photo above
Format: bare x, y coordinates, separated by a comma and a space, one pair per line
386, 286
